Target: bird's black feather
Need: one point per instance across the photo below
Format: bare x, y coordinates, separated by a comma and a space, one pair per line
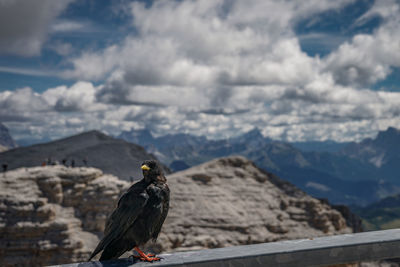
164, 212
140, 213
130, 206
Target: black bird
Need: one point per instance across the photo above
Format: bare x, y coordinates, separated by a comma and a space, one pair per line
139, 215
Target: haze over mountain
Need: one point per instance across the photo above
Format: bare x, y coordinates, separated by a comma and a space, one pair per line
339, 176
111, 155
6, 141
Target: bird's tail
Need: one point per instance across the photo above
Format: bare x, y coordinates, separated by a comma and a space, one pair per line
107, 239
99, 248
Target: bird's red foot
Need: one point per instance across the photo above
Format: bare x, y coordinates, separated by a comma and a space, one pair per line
146, 257
149, 259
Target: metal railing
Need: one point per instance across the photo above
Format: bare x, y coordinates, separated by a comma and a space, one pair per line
321, 251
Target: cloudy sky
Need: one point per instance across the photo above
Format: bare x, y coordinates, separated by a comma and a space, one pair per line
297, 70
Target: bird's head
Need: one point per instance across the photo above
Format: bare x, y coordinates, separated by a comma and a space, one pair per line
152, 171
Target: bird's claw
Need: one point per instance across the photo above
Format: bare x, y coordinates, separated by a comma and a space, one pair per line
150, 259
147, 257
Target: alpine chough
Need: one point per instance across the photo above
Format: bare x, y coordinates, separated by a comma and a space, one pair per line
139, 215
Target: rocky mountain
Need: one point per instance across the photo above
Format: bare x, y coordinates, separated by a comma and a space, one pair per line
230, 201
383, 152
376, 151
6, 141
55, 214
111, 155
336, 176
193, 149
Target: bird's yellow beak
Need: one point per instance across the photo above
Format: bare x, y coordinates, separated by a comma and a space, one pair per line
145, 167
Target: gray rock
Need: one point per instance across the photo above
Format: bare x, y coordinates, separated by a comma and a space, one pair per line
229, 201
54, 214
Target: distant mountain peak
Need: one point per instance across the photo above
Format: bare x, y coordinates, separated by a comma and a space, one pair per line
393, 129
255, 132
252, 135
92, 134
138, 136
381, 152
390, 132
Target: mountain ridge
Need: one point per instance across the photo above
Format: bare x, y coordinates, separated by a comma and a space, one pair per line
92, 148
323, 174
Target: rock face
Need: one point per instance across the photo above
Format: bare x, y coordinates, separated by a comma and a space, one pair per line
229, 201
51, 215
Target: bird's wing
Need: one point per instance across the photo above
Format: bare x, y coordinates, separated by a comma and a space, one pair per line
163, 213
130, 205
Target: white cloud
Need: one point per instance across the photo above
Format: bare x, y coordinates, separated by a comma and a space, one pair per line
208, 43
79, 97
19, 105
25, 104
24, 25
220, 68
369, 58
204, 57
301, 113
56, 112
387, 9
93, 66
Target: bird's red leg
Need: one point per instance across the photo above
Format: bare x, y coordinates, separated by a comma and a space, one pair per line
146, 257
